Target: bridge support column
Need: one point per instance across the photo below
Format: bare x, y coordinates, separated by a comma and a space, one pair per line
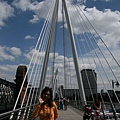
80, 83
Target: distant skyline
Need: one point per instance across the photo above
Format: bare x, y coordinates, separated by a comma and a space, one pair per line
21, 22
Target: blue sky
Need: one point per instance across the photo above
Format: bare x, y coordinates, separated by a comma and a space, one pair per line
104, 4
22, 20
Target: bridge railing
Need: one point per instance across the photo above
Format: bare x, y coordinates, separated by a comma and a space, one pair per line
7, 91
106, 111
76, 104
25, 112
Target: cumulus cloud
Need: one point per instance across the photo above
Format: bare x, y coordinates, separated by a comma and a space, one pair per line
8, 72
21, 4
15, 51
36, 53
8, 68
35, 19
106, 0
6, 11
7, 53
106, 22
39, 8
4, 55
29, 37
82, 1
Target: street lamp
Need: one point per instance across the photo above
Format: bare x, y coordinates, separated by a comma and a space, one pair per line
117, 84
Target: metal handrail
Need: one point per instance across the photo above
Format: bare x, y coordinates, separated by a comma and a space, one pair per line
12, 111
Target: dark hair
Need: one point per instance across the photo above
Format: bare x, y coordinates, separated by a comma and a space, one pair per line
46, 89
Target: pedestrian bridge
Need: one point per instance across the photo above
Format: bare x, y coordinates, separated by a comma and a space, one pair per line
83, 68
70, 114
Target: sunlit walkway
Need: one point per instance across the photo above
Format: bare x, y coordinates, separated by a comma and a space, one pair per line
70, 114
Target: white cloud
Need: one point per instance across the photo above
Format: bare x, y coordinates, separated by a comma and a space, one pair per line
36, 53
7, 53
8, 72
38, 56
4, 55
29, 37
7, 68
29, 54
35, 19
105, 22
6, 11
39, 8
21, 4
15, 51
106, 0
83, 1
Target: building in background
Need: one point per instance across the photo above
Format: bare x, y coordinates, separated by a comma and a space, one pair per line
72, 94
89, 78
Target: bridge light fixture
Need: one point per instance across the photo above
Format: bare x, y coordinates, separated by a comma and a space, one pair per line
117, 83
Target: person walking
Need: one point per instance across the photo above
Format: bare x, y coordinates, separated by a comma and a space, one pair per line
97, 108
61, 103
46, 109
65, 102
97, 104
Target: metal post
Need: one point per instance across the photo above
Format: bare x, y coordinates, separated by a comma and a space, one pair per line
113, 84
114, 111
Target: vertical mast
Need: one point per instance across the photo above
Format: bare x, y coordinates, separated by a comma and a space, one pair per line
80, 83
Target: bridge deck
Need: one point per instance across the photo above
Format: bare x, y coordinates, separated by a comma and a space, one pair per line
70, 114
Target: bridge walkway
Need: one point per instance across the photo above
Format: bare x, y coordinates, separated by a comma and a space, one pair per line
70, 114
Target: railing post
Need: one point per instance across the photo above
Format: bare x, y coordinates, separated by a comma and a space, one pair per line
114, 111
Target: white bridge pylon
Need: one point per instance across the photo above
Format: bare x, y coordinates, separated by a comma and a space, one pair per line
85, 65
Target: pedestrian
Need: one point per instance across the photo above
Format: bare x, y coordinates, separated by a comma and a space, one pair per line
57, 103
65, 103
97, 108
97, 104
46, 109
61, 103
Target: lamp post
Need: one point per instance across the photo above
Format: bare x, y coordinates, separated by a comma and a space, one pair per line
117, 83
112, 105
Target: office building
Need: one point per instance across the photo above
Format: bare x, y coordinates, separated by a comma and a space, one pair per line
89, 79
